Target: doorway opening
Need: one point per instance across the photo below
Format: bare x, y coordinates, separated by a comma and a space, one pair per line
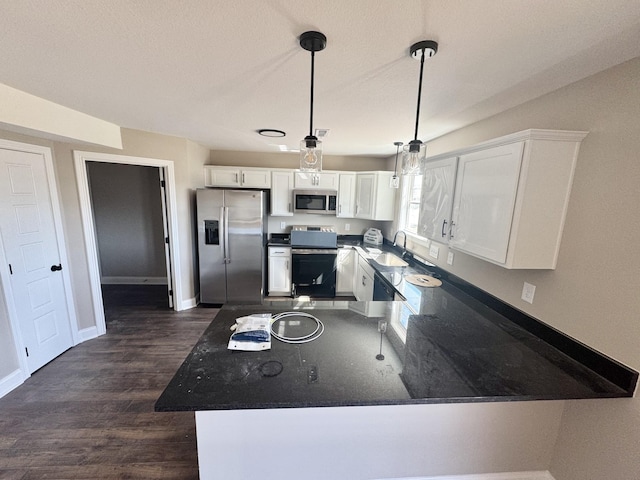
127, 205
115, 260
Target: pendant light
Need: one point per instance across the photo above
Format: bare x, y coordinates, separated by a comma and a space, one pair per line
414, 153
310, 146
395, 180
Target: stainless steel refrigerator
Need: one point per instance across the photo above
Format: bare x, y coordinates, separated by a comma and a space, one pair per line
231, 241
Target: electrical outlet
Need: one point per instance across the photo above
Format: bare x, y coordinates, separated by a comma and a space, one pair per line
528, 291
450, 258
434, 250
347, 227
283, 225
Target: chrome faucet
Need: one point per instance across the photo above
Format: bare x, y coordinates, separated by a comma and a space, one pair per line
404, 244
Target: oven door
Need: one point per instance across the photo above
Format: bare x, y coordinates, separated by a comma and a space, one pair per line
313, 272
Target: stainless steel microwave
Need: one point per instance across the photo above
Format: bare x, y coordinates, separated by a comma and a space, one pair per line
315, 201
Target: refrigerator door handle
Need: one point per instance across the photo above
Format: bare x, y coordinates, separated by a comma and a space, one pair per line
226, 235
223, 239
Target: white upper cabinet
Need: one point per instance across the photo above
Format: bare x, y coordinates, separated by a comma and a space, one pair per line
438, 182
346, 195
319, 180
281, 193
511, 198
246, 177
375, 199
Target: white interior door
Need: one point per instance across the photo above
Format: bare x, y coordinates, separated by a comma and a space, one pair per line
31, 248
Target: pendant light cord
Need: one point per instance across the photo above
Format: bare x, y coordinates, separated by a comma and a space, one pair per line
395, 168
313, 55
415, 136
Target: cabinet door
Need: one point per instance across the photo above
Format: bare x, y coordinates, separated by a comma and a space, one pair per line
257, 178
322, 180
280, 275
363, 283
222, 177
438, 183
365, 190
304, 180
485, 195
383, 198
281, 188
346, 271
346, 195
327, 180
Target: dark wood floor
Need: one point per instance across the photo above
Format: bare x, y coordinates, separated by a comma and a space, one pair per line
89, 413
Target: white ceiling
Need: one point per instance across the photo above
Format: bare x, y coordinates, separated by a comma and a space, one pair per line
215, 71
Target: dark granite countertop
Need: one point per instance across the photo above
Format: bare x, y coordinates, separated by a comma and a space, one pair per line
455, 350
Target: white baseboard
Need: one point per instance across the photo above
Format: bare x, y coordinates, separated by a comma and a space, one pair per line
133, 280
189, 303
537, 475
87, 334
11, 381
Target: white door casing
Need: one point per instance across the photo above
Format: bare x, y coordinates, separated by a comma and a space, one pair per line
39, 298
80, 159
165, 230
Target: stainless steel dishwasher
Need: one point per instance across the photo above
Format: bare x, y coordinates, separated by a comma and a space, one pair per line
382, 291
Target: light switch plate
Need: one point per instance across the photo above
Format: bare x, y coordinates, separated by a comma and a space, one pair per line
450, 258
434, 250
528, 292
283, 225
347, 227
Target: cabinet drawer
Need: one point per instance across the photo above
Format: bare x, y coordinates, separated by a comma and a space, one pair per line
279, 251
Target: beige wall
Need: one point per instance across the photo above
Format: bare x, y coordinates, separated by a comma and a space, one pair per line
127, 211
292, 160
138, 144
593, 295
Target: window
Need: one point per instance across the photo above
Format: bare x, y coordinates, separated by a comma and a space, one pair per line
411, 190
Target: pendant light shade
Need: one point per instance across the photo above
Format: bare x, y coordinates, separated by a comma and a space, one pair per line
414, 153
310, 146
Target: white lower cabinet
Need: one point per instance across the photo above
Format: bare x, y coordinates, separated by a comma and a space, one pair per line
279, 271
363, 282
346, 267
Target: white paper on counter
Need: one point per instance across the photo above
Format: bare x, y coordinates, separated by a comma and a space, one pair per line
257, 322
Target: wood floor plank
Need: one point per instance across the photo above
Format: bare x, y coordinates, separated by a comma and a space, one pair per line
89, 413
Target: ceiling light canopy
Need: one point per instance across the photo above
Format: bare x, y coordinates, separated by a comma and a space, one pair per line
271, 132
310, 146
415, 152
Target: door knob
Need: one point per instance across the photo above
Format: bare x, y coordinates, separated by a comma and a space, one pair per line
56, 268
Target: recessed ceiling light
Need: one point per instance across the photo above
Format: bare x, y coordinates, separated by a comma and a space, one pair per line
270, 132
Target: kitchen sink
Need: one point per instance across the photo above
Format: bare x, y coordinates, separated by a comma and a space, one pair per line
387, 259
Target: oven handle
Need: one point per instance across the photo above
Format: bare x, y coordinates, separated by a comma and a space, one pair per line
313, 251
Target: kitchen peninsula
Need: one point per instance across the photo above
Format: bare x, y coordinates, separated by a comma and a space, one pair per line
451, 375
